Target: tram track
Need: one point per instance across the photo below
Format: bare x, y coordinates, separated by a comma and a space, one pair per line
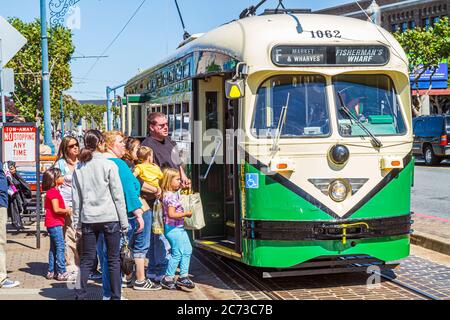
409, 288
243, 278
218, 265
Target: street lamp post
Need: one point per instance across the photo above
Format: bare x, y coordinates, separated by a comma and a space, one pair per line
108, 105
45, 78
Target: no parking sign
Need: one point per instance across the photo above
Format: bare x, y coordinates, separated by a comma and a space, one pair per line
19, 143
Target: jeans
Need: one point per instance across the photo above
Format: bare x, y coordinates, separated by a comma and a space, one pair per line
139, 246
180, 249
158, 257
140, 242
91, 232
57, 250
102, 253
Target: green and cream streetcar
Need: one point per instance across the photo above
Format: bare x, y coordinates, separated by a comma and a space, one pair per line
296, 131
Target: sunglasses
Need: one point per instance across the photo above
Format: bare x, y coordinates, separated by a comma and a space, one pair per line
73, 145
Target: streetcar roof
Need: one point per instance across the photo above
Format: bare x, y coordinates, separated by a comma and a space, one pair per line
246, 39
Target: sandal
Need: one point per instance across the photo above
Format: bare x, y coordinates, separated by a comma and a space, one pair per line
63, 276
50, 275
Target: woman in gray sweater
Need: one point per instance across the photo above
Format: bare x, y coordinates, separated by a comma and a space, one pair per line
98, 206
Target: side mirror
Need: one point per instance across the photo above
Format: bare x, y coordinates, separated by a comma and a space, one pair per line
235, 89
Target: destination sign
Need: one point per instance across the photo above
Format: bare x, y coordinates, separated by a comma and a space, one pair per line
287, 55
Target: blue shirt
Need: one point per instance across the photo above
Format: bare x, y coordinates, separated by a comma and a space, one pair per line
3, 188
131, 186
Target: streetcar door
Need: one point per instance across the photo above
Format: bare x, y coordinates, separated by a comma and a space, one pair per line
231, 195
209, 168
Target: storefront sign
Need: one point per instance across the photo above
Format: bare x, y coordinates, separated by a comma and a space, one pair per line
439, 80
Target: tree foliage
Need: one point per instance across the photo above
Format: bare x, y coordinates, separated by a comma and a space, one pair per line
94, 114
426, 48
27, 67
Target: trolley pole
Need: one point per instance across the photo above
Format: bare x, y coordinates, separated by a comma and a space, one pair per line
46, 78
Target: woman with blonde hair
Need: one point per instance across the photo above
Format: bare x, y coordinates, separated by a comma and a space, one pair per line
139, 213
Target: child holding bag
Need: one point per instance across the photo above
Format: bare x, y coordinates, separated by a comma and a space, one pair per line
181, 248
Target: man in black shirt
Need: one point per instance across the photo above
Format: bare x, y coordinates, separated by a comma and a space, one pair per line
165, 155
165, 151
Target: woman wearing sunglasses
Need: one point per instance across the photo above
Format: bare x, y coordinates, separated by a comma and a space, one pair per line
67, 161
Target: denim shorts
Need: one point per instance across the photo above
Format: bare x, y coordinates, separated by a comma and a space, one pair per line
140, 242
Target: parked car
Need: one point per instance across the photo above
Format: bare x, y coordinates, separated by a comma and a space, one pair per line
432, 138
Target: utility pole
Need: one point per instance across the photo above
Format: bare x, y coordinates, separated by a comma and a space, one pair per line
46, 78
374, 13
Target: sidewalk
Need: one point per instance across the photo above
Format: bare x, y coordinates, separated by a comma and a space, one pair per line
28, 265
431, 232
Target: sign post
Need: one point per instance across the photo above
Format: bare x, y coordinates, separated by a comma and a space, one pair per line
20, 143
11, 41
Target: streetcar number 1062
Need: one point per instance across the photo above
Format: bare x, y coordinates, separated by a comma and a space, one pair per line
326, 34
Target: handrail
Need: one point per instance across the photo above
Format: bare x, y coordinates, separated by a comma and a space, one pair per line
212, 161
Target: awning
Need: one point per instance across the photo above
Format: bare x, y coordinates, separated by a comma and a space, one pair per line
433, 92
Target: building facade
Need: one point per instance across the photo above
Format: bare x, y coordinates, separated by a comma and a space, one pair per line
400, 15
397, 14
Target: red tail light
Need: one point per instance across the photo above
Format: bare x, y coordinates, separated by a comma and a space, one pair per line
443, 140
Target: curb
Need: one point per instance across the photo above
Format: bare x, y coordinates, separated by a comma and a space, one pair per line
430, 242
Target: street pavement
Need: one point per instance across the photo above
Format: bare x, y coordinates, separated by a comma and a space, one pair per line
430, 200
28, 265
431, 192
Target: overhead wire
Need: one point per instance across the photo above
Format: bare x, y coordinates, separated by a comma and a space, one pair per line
115, 38
397, 54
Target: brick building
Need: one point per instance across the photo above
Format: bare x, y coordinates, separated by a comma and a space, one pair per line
397, 14
402, 15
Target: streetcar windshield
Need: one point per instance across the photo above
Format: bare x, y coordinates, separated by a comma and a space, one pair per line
303, 100
372, 100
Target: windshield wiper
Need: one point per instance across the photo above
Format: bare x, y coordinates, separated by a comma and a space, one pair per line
375, 142
280, 126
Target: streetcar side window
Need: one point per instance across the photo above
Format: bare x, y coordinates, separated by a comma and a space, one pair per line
171, 118
301, 97
372, 100
186, 121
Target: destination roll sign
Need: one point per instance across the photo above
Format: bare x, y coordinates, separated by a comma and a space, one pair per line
291, 55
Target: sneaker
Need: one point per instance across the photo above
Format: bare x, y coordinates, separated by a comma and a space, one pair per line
168, 284
146, 285
127, 283
96, 275
8, 284
106, 298
50, 275
73, 276
185, 282
63, 276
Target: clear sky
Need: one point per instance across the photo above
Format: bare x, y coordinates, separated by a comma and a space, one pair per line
154, 32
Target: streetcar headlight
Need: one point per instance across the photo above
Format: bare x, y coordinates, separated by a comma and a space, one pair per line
338, 190
339, 154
